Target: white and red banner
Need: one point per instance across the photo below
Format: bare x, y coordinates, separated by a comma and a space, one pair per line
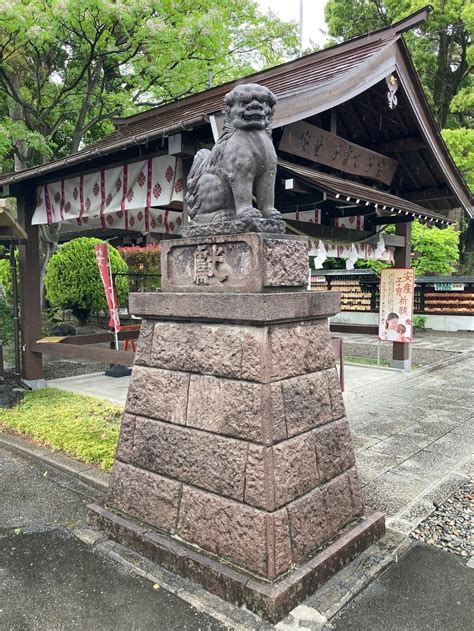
309, 216
314, 216
127, 197
396, 305
356, 222
103, 262
350, 252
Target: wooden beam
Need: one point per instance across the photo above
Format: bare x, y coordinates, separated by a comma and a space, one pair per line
428, 194
394, 240
363, 329
96, 338
395, 219
319, 231
72, 351
400, 145
333, 121
352, 211
294, 185
30, 301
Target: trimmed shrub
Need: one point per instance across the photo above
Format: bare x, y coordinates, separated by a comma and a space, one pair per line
6, 276
419, 322
72, 279
143, 260
6, 321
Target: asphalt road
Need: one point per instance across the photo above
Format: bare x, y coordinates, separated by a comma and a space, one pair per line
52, 581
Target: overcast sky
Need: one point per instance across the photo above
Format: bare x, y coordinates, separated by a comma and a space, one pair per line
313, 16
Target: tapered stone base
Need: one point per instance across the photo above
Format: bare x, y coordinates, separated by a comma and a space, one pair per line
272, 600
234, 448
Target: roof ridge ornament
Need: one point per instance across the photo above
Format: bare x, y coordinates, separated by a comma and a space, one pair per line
392, 84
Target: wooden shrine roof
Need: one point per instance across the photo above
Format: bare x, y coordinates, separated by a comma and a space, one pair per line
346, 77
350, 191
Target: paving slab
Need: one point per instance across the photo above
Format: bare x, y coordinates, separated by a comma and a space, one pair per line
392, 492
402, 445
427, 589
413, 440
427, 466
371, 464
99, 385
458, 445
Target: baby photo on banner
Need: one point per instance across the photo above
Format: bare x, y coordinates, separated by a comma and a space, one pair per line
396, 305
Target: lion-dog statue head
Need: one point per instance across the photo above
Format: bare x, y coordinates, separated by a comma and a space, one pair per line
242, 165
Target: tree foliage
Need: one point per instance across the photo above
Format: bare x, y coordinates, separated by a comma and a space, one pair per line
442, 48
68, 66
461, 146
434, 250
73, 281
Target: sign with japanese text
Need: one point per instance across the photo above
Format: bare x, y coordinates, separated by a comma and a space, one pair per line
102, 256
396, 305
449, 286
318, 145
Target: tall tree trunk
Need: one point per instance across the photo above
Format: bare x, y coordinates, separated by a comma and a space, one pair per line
448, 81
16, 114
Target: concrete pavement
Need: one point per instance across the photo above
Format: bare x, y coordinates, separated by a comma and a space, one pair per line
414, 441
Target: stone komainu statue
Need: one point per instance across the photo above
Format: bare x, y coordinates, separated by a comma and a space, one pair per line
242, 163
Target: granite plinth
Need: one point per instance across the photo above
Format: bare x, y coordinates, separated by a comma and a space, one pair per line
252, 308
235, 226
250, 262
234, 464
272, 600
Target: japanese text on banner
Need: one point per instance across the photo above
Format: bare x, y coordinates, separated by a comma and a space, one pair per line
396, 305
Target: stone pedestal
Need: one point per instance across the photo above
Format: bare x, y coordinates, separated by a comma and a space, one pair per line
235, 466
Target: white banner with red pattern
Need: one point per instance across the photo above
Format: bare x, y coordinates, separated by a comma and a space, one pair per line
314, 216
126, 197
351, 252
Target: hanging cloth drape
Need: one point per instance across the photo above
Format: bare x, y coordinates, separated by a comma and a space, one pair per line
128, 197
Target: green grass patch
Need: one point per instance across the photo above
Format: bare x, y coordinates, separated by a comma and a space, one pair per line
367, 361
83, 427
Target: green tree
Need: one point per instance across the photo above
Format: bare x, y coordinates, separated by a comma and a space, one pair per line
441, 49
461, 146
434, 250
68, 66
72, 279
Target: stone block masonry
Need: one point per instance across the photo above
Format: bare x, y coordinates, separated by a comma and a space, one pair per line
234, 454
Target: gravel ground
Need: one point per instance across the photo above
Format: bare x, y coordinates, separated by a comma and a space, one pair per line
451, 526
420, 356
60, 368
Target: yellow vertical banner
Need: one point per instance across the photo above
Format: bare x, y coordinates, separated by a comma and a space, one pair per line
397, 286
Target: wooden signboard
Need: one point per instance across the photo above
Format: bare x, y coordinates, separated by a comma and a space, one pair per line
318, 145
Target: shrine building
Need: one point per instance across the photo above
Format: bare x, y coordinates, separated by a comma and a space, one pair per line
357, 144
